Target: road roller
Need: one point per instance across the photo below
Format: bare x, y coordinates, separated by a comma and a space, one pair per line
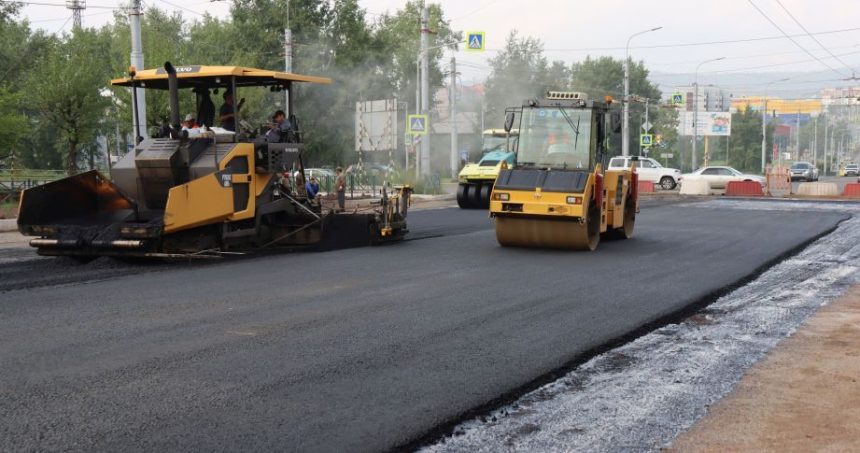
557, 193
202, 192
476, 179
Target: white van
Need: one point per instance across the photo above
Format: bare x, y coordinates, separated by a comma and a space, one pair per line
649, 170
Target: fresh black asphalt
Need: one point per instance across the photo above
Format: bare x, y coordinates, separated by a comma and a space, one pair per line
352, 350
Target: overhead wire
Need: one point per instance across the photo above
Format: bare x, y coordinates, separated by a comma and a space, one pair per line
474, 11
792, 39
63, 5
689, 44
811, 36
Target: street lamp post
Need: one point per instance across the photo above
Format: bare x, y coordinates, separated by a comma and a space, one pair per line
696, 109
625, 118
764, 124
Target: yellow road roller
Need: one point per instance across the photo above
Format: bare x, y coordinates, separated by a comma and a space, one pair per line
475, 181
557, 194
202, 192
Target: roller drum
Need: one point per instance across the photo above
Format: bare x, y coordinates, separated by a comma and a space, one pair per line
548, 232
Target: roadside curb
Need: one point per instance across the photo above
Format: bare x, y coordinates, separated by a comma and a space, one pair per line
447, 196
8, 225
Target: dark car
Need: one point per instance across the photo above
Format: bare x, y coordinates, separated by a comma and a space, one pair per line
804, 171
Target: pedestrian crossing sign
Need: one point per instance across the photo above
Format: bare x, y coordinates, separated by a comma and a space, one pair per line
677, 98
475, 41
646, 139
417, 124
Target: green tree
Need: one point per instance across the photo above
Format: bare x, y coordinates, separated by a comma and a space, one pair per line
745, 141
519, 72
604, 76
69, 90
14, 123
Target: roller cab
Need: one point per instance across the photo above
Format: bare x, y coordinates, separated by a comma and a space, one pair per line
556, 194
475, 181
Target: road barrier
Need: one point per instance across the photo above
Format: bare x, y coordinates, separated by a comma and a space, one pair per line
778, 181
852, 190
744, 189
818, 189
695, 187
646, 187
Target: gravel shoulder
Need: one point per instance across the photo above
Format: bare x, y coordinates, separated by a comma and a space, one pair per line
803, 397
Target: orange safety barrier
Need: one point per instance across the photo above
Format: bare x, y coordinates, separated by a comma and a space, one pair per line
744, 189
778, 181
852, 190
646, 187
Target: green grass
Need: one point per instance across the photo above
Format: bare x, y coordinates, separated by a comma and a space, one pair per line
41, 175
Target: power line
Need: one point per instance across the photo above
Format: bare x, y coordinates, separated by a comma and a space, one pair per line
792, 39
690, 44
774, 64
810, 35
741, 57
181, 7
63, 5
474, 11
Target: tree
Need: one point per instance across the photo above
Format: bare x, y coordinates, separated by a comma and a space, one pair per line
14, 123
68, 89
519, 72
745, 142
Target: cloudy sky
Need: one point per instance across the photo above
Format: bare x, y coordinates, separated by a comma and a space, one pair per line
572, 29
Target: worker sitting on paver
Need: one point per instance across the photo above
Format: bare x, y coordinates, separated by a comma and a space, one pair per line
313, 188
279, 129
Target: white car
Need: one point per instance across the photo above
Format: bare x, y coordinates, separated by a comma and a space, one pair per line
649, 170
718, 177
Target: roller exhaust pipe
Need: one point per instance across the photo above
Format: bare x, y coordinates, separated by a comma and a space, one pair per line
173, 89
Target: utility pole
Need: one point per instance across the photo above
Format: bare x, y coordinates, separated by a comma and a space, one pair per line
425, 88
76, 6
797, 139
826, 125
815, 141
137, 61
288, 64
625, 103
452, 99
288, 58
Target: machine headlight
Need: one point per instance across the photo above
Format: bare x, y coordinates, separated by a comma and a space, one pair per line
573, 200
501, 196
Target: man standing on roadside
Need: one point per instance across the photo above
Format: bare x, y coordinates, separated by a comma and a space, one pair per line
340, 187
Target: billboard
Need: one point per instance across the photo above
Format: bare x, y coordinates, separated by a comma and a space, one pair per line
709, 123
376, 125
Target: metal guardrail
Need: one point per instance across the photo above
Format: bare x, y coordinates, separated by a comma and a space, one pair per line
12, 182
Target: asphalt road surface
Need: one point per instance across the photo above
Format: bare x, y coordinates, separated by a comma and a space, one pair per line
353, 350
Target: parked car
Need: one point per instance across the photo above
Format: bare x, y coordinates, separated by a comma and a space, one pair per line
805, 171
852, 169
718, 177
649, 170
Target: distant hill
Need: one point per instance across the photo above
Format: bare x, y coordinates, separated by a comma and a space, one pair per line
799, 85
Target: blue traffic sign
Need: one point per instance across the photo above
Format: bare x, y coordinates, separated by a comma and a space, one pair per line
417, 124
475, 41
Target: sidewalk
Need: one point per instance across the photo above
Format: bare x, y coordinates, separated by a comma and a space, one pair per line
804, 396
